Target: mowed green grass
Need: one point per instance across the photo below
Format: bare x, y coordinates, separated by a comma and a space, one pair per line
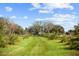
37, 46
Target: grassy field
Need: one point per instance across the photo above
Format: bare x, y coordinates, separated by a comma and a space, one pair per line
37, 46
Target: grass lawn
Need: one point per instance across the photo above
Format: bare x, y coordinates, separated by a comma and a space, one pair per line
37, 46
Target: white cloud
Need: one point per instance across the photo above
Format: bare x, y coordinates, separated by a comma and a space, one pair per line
36, 5
1, 15
59, 5
25, 17
44, 11
66, 20
13, 17
38, 19
60, 17
49, 7
64, 17
8, 9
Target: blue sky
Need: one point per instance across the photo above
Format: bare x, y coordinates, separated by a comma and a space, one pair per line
24, 14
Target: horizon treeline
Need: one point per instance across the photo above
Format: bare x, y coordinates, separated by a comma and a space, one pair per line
9, 32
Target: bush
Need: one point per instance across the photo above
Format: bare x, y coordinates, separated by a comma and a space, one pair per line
12, 39
51, 36
2, 43
26, 35
74, 43
44, 35
64, 39
7, 40
3, 40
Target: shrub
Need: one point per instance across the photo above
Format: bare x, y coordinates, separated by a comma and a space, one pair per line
64, 39
74, 43
51, 36
12, 39
26, 35
3, 40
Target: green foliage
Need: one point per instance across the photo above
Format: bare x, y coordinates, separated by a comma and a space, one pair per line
64, 38
74, 43
7, 40
45, 27
1, 41
8, 32
51, 36
39, 42
12, 39
27, 35
74, 39
44, 35
38, 46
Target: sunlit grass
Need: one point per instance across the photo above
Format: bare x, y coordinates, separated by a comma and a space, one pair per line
38, 46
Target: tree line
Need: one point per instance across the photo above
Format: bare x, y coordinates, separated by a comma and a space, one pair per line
9, 32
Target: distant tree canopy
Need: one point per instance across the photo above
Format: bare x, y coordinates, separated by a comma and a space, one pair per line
35, 28
45, 27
